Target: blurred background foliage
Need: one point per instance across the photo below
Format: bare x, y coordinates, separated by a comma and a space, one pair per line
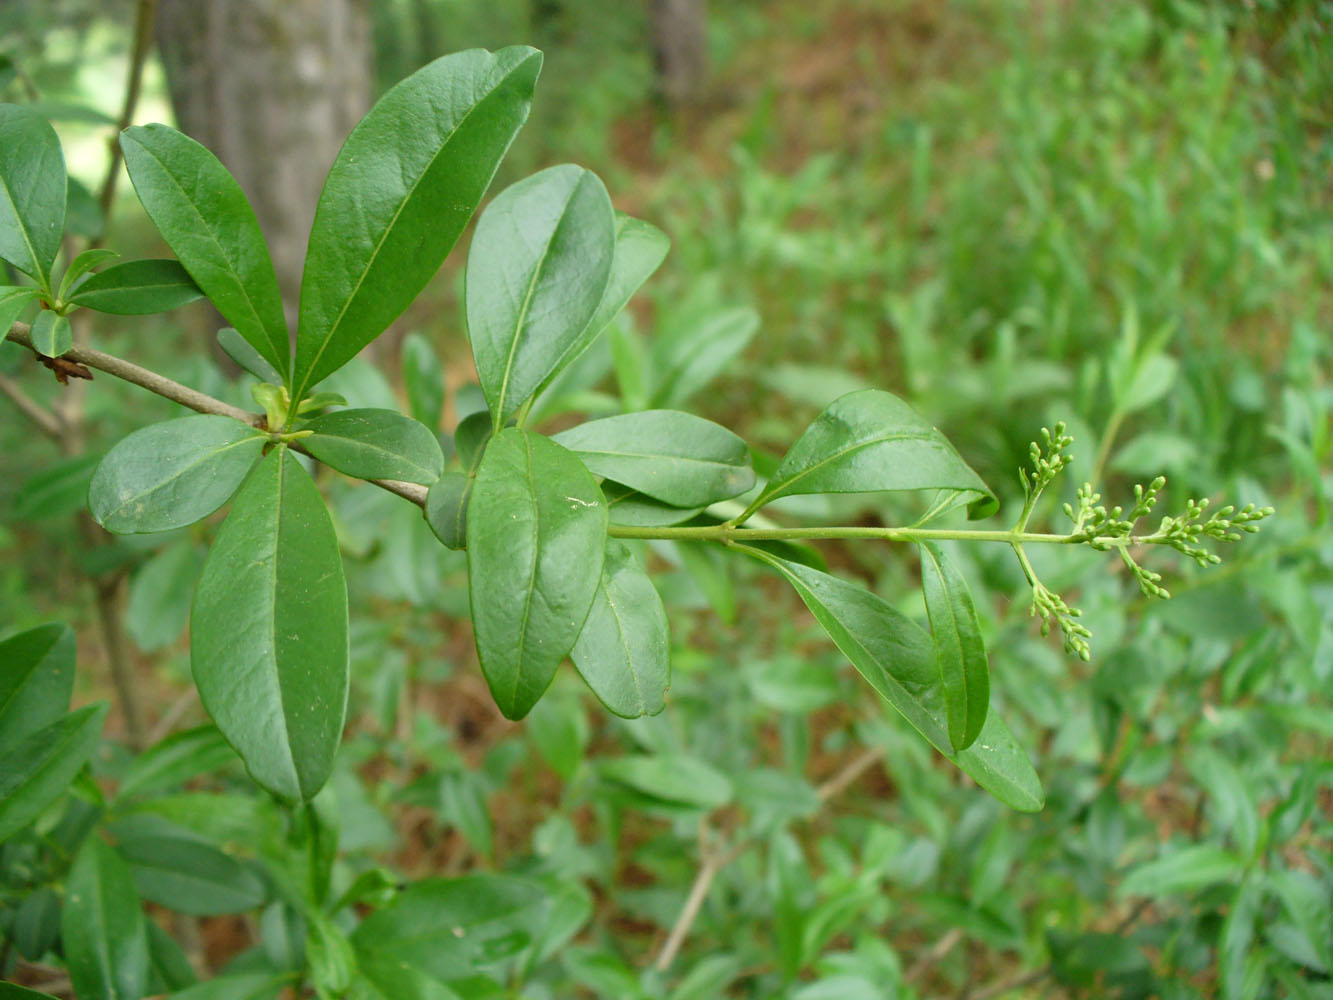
1117, 214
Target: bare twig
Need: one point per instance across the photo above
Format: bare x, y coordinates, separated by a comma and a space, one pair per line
703, 881
932, 955
144, 12
848, 774
46, 420
174, 713
109, 592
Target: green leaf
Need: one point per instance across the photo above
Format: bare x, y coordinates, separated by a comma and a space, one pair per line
470, 437
897, 658
389, 979
59, 489
10, 991
375, 444
169, 968
40, 768
689, 361
205, 218
239, 986
175, 760
869, 441
80, 266
189, 876
442, 926
1183, 871
13, 300
674, 457
159, 604
137, 288
239, 350
404, 185
627, 506
268, 636
423, 377
623, 652
675, 778
102, 928
172, 474
51, 334
32, 192
83, 216
446, 508
534, 562
37, 924
958, 646
640, 250
36, 681
536, 271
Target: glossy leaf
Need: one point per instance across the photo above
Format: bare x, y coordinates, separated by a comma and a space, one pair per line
159, 604
190, 876
102, 929
534, 562
51, 334
897, 658
404, 185
239, 350
81, 265
536, 271
623, 652
959, 648
138, 288
375, 444
40, 768
627, 506
446, 508
674, 778
32, 192
13, 300
869, 441
268, 635
674, 457
205, 218
36, 681
172, 474
423, 377
470, 437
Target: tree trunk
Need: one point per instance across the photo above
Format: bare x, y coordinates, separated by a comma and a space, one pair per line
680, 49
272, 87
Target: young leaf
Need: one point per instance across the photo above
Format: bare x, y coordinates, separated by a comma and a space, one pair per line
869, 441
674, 457
102, 929
404, 185
32, 192
958, 646
172, 474
80, 266
13, 300
898, 659
538, 265
423, 376
191, 876
268, 635
137, 288
51, 334
40, 768
239, 350
36, 681
623, 652
375, 444
205, 218
534, 562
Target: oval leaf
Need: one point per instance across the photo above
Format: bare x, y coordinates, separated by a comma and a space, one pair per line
137, 288
32, 192
958, 646
375, 444
404, 185
674, 457
623, 652
172, 474
534, 562
869, 441
40, 768
538, 265
897, 658
268, 630
191, 876
36, 681
205, 218
102, 928
51, 334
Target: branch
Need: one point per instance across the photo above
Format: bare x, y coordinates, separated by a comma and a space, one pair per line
143, 36
46, 420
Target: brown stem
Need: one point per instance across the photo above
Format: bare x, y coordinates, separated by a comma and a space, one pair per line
108, 592
144, 12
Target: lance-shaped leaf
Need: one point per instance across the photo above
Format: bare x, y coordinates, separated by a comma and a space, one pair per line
205, 218
534, 562
869, 441
404, 185
51, 334
13, 300
623, 652
189, 875
675, 457
958, 646
36, 681
137, 288
536, 271
172, 474
239, 350
375, 444
268, 631
81, 265
897, 658
39, 769
103, 927
32, 192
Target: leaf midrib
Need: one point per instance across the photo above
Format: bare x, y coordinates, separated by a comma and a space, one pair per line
785, 487
536, 563
23, 229
202, 459
273, 617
